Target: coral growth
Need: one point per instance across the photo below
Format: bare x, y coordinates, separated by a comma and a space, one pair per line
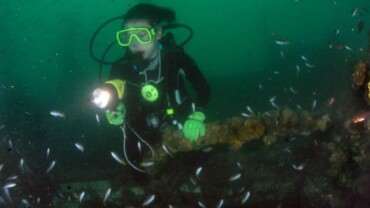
360, 80
269, 139
349, 153
306, 122
359, 76
289, 117
323, 123
237, 131
242, 131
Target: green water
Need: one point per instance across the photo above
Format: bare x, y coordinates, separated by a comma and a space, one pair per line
45, 65
45, 45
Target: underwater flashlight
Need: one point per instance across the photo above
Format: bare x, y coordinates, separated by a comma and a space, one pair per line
101, 98
109, 94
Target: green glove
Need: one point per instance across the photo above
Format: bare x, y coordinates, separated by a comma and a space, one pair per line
116, 117
194, 126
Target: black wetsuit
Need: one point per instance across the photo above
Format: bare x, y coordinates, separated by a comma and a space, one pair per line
176, 66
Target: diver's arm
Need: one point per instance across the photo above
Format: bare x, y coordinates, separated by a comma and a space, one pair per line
194, 126
196, 78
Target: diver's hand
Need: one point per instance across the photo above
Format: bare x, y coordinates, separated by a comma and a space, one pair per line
117, 116
194, 126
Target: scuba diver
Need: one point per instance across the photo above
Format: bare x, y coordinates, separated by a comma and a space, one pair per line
151, 83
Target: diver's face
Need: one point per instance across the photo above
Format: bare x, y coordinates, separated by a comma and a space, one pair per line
149, 50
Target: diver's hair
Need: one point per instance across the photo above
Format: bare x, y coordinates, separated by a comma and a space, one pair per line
154, 14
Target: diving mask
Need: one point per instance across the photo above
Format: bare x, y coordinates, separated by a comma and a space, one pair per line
142, 35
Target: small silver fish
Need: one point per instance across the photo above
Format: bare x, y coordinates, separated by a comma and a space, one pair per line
272, 99
58, 114
7, 195
282, 54
348, 48
274, 105
241, 189
10, 144
246, 115
267, 114
147, 164
250, 110
107, 193
81, 196
235, 177
80, 147
25, 203
1, 166
354, 13
51, 166
198, 170
298, 69
12, 178
9, 185
287, 149
304, 58
220, 203
117, 158
47, 153
164, 147
193, 181
21, 165
309, 65
207, 149
239, 165
139, 146
245, 198
337, 31
179, 126
299, 107
293, 90
280, 42
201, 204
148, 200
313, 104
97, 119
298, 167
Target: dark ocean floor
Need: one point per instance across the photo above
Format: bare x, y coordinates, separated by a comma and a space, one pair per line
290, 172
316, 168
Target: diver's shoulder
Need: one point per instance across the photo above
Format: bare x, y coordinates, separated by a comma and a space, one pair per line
174, 52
